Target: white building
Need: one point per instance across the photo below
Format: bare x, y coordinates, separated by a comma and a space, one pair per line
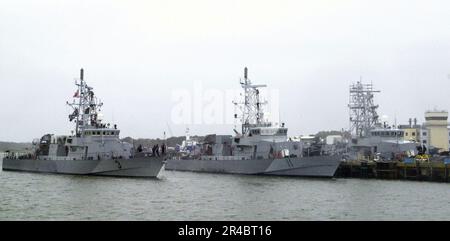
435, 130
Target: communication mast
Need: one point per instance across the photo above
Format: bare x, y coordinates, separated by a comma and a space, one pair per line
363, 111
86, 107
252, 107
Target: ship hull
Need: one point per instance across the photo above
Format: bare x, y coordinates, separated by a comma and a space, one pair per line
137, 167
319, 166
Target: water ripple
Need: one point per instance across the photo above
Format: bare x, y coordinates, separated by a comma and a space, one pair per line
199, 196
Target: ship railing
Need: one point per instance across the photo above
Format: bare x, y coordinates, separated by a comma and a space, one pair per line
226, 158
77, 157
17, 155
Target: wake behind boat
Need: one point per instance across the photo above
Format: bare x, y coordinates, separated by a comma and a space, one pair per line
93, 149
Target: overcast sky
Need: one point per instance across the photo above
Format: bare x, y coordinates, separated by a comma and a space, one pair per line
136, 53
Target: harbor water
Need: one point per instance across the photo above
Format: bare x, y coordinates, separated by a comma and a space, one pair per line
198, 196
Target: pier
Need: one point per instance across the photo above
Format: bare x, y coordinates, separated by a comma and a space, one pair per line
416, 170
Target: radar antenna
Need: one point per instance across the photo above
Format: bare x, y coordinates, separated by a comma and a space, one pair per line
252, 107
86, 107
363, 110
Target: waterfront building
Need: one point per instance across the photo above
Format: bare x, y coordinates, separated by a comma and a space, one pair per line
435, 131
412, 131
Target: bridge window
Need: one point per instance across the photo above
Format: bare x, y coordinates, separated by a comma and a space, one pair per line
282, 131
255, 132
437, 118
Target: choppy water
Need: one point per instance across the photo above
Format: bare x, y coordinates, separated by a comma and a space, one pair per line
199, 196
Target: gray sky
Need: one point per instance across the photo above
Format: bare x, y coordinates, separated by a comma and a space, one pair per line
135, 53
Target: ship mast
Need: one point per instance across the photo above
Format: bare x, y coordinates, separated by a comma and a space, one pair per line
86, 107
363, 110
252, 107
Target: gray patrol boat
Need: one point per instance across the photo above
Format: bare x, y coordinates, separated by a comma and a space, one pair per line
260, 149
94, 148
